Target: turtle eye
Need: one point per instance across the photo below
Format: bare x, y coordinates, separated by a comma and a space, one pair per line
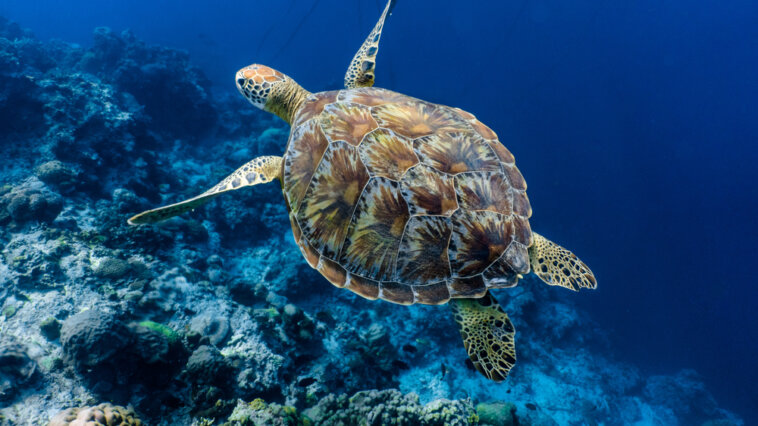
241, 82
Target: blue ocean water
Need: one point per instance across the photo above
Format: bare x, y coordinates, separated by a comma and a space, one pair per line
634, 123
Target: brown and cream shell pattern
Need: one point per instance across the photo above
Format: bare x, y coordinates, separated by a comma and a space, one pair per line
404, 200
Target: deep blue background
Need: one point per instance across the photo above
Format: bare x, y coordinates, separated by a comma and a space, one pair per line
635, 123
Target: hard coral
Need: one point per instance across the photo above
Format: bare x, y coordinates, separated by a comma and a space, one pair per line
107, 351
496, 413
32, 204
16, 369
34, 261
207, 366
100, 415
391, 407
158, 77
92, 338
56, 173
258, 412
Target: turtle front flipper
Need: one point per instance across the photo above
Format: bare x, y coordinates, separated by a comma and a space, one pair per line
360, 73
260, 170
488, 335
557, 266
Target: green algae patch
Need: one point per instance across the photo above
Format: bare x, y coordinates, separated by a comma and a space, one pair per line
496, 413
171, 335
9, 311
258, 412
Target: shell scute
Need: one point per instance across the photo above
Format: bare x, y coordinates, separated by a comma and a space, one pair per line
518, 257
522, 230
502, 152
397, 293
483, 130
296, 231
432, 294
387, 154
332, 195
371, 96
484, 191
375, 231
313, 106
514, 177
348, 122
500, 274
332, 271
477, 125
363, 286
467, 287
428, 191
478, 238
423, 250
310, 253
301, 160
456, 153
414, 119
521, 205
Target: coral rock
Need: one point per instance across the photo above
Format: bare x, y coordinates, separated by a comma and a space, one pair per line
391, 407
99, 415
111, 268
92, 337
259, 412
16, 369
56, 173
207, 366
496, 413
26, 205
50, 328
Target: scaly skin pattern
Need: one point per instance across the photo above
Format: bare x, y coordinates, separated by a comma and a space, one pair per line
404, 200
259, 170
488, 335
270, 90
557, 266
360, 73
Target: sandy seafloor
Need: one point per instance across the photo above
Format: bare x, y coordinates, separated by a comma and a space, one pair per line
214, 316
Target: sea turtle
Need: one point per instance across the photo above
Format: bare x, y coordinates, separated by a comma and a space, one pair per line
400, 199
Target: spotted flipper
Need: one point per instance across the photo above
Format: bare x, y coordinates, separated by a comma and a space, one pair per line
360, 73
557, 266
260, 170
488, 335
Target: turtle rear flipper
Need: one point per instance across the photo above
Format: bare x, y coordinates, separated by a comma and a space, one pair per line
360, 73
260, 170
488, 335
557, 266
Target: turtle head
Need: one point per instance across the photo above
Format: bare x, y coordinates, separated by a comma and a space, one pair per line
271, 91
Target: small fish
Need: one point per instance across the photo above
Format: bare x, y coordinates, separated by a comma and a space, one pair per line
443, 367
410, 348
531, 406
400, 365
306, 381
470, 364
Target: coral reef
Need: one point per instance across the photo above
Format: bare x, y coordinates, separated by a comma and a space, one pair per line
155, 76
185, 319
391, 407
496, 413
16, 369
258, 412
100, 415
